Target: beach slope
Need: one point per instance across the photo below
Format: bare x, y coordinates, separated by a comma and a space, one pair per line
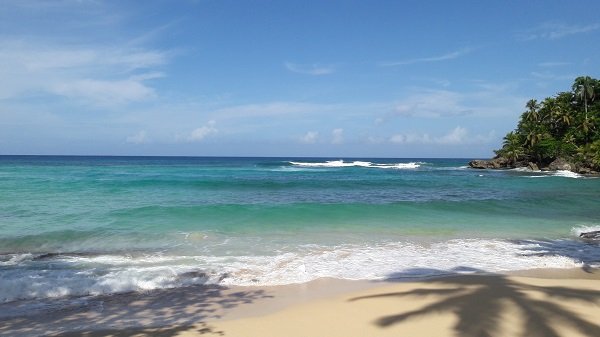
471, 305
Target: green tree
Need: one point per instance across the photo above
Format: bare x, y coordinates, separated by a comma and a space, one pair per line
512, 148
532, 110
564, 125
584, 88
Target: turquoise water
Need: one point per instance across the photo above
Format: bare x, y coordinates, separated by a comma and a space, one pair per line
95, 225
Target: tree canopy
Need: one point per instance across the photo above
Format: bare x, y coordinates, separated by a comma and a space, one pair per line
566, 125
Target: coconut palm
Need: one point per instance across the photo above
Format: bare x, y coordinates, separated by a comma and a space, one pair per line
512, 148
561, 118
532, 112
562, 125
584, 90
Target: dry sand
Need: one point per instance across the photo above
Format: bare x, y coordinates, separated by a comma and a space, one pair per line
474, 305
533, 303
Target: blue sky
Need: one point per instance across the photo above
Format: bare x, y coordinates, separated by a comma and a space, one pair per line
283, 78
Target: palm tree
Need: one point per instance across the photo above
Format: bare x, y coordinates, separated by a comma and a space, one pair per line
561, 118
584, 89
512, 148
532, 132
533, 137
533, 113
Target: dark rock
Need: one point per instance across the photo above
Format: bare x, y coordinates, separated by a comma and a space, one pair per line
500, 162
479, 164
584, 170
495, 163
561, 164
590, 235
194, 274
533, 166
49, 256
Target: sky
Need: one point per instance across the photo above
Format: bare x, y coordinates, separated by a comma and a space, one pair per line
401, 79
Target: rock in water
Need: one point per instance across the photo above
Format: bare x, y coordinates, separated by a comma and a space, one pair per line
561, 164
495, 163
590, 235
479, 164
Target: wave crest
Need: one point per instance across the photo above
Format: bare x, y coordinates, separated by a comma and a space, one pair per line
357, 163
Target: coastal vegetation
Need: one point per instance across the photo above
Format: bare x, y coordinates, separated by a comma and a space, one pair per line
562, 132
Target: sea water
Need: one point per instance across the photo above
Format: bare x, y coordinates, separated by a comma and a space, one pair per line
79, 226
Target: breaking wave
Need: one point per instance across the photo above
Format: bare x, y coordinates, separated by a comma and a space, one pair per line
341, 163
27, 276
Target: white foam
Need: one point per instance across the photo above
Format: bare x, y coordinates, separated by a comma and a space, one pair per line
333, 163
341, 163
576, 231
15, 259
522, 169
106, 274
566, 174
560, 173
52, 283
397, 166
351, 262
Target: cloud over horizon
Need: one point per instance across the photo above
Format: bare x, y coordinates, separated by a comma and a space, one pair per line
310, 137
337, 136
456, 136
199, 134
138, 138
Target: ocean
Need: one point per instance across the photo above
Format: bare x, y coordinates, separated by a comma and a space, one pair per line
73, 226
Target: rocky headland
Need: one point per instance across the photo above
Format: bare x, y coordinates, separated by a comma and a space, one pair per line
560, 133
559, 164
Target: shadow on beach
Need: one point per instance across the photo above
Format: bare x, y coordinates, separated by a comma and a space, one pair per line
164, 313
480, 303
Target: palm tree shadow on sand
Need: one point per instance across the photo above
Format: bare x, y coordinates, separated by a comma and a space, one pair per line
164, 313
479, 301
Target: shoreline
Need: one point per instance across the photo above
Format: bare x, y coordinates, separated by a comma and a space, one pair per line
324, 307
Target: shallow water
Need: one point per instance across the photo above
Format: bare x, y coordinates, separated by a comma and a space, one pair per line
100, 225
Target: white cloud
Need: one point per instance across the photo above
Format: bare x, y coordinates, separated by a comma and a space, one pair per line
553, 64
444, 57
456, 136
411, 138
274, 109
94, 74
138, 138
487, 101
376, 140
309, 69
432, 104
553, 31
105, 93
546, 75
202, 132
310, 137
337, 136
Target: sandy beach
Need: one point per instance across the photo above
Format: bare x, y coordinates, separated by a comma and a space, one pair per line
529, 303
